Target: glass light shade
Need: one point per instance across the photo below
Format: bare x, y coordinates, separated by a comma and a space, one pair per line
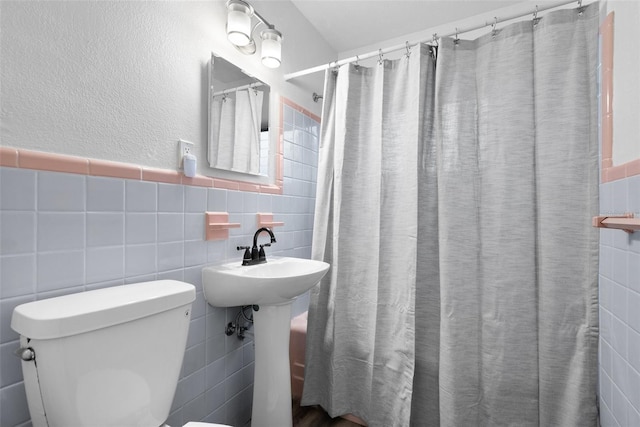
271, 48
238, 27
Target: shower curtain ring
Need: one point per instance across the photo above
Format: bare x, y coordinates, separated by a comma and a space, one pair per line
357, 64
380, 58
406, 45
494, 30
580, 8
434, 40
456, 40
535, 17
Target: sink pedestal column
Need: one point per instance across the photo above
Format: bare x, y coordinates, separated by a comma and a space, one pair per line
272, 377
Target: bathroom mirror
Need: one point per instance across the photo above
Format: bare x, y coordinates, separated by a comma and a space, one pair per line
238, 119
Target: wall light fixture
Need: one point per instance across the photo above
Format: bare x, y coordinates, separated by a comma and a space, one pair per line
240, 33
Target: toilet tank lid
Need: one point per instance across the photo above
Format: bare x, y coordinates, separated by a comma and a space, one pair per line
87, 311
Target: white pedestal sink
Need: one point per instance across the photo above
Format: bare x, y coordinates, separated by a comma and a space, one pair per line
273, 286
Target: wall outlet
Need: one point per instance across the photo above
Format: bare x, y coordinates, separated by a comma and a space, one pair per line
184, 147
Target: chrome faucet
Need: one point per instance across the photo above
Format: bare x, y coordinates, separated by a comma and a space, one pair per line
254, 255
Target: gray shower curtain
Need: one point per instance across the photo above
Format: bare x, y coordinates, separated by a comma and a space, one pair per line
454, 204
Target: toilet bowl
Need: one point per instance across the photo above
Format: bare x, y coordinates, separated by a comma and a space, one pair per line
108, 357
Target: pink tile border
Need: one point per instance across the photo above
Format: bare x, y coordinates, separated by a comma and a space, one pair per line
113, 169
31, 159
610, 172
8, 157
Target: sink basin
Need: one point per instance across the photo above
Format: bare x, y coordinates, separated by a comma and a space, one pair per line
278, 281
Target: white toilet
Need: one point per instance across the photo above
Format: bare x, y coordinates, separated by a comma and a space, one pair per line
108, 357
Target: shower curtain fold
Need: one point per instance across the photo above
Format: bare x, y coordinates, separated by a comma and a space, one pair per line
454, 205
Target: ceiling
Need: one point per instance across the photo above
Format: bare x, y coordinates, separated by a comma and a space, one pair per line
350, 24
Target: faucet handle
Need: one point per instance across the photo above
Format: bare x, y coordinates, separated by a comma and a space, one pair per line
246, 258
261, 255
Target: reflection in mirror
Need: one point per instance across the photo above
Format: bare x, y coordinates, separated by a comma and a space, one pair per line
238, 119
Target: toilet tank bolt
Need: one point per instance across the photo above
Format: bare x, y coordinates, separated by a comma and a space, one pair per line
26, 354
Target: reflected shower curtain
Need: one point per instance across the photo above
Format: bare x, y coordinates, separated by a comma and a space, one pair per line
236, 119
455, 212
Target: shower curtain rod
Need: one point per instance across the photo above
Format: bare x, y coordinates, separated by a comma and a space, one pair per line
239, 88
408, 45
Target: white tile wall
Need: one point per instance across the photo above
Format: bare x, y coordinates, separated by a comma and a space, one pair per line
620, 309
63, 233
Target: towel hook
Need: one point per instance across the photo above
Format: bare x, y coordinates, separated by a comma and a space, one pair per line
316, 97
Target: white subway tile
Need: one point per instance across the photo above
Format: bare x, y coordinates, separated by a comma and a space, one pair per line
59, 270
17, 189
250, 202
194, 226
633, 274
17, 275
195, 253
105, 194
235, 202
140, 228
105, 229
619, 302
633, 310
60, 231
217, 200
170, 198
634, 349
61, 192
105, 264
619, 406
170, 256
140, 260
195, 199
10, 370
17, 232
141, 196
170, 227
13, 397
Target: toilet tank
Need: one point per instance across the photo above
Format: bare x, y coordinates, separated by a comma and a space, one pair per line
107, 357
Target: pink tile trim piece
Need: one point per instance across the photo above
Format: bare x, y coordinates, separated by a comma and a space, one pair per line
52, 162
606, 94
245, 186
114, 169
8, 157
198, 181
632, 168
227, 184
271, 189
161, 175
606, 130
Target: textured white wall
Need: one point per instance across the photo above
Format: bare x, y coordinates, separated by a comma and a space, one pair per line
123, 81
626, 85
